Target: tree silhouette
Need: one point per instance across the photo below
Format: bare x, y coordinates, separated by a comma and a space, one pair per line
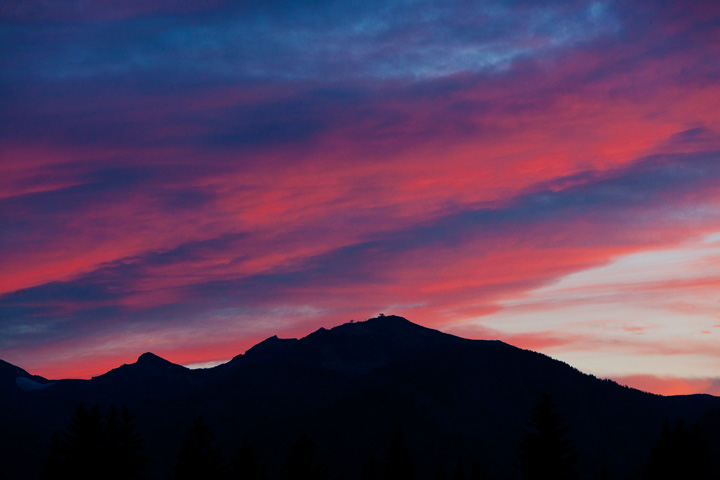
547, 452
459, 472
198, 458
55, 464
399, 465
369, 471
78, 451
678, 454
301, 463
124, 445
246, 465
92, 446
477, 472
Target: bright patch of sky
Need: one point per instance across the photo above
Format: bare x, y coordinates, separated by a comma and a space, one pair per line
604, 316
696, 259
210, 364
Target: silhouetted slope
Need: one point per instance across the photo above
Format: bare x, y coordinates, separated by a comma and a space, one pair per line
149, 377
20, 426
462, 400
148, 367
348, 388
13, 378
351, 348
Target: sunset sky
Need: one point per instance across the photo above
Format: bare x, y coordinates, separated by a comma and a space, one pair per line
189, 178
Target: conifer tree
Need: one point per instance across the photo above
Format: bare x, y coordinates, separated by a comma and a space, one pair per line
441, 475
124, 445
93, 446
301, 463
85, 443
78, 451
678, 454
547, 452
54, 465
459, 472
369, 470
399, 465
198, 457
477, 472
246, 465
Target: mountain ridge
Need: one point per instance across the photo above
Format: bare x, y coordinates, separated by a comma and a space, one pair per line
351, 348
388, 328
349, 386
147, 365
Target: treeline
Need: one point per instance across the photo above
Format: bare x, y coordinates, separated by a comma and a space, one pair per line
107, 445
96, 445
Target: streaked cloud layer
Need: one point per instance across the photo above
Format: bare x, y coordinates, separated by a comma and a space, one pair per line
189, 179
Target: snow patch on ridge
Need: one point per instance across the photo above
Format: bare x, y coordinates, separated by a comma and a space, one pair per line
28, 385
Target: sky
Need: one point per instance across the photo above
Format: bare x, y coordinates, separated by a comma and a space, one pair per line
189, 178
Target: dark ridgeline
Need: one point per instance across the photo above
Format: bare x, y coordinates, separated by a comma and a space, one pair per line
463, 406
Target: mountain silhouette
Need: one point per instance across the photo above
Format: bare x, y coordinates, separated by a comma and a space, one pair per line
12, 378
351, 348
148, 367
348, 388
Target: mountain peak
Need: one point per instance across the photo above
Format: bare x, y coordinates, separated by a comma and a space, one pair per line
393, 326
390, 320
148, 365
270, 347
149, 358
352, 348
